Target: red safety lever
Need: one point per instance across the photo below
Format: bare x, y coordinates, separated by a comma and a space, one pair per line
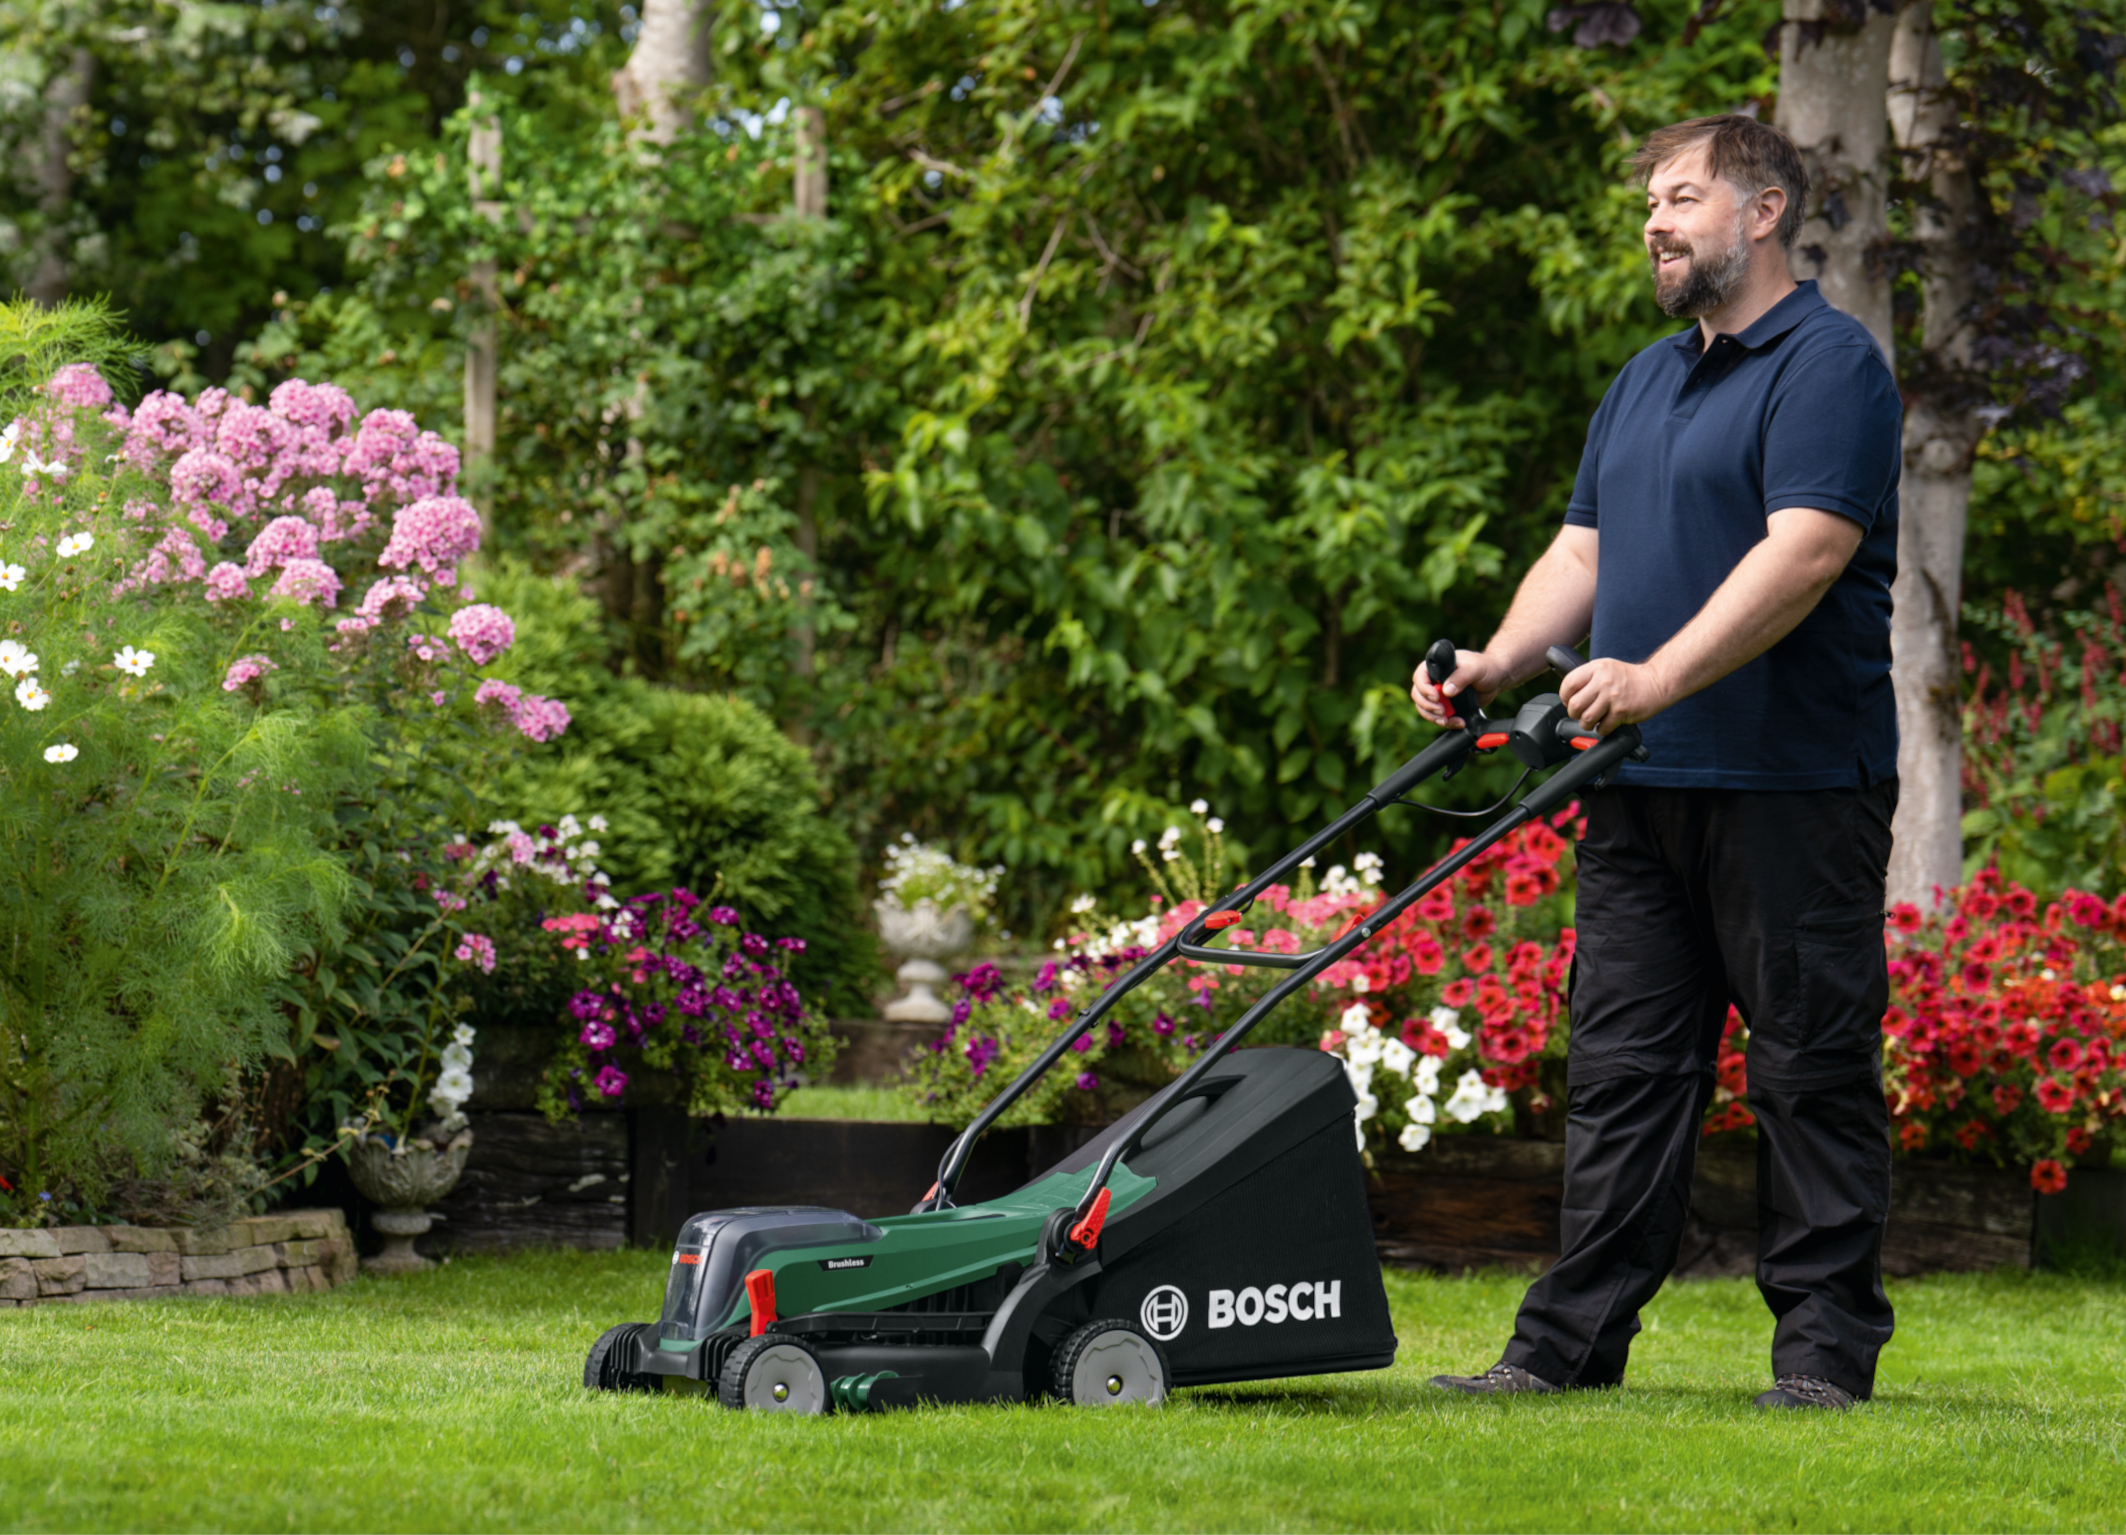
1087, 1232
1221, 919
1490, 739
1581, 743
760, 1290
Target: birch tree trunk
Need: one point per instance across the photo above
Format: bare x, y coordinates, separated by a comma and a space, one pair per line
669, 64
1942, 427
65, 94
1832, 79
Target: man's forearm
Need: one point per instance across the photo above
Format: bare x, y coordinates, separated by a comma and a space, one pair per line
1554, 606
1775, 586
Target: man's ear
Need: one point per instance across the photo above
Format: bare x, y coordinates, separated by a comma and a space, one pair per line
1766, 209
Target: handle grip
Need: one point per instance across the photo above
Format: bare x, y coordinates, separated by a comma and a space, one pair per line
1563, 659
1439, 666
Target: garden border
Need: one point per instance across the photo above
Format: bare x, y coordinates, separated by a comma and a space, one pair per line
289, 1252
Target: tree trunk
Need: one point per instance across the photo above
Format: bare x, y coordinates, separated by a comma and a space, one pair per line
484, 174
670, 63
65, 94
1942, 427
1832, 78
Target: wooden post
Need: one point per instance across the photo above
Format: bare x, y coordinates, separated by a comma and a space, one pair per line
484, 174
809, 191
808, 199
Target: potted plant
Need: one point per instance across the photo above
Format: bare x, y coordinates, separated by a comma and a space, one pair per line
929, 906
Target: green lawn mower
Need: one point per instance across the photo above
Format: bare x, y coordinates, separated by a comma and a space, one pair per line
1218, 1232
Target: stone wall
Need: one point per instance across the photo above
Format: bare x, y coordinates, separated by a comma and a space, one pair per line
295, 1250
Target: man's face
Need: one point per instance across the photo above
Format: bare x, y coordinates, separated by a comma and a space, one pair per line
1696, 236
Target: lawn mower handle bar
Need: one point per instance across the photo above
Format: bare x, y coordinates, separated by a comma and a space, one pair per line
1595, 762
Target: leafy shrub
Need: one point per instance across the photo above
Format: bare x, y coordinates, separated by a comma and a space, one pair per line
700, 791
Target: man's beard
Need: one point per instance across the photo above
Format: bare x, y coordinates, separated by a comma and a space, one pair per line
1709, 283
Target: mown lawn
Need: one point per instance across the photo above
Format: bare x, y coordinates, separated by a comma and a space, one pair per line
451, 1401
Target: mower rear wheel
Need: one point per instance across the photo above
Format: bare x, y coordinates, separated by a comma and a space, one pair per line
774, 1374
602, 1370
1106, 1364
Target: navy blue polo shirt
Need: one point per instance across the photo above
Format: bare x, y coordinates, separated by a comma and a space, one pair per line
1690, 451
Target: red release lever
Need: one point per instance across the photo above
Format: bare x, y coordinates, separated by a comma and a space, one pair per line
1215, 921
1087, 1232
1489, 739
1581, 743
760, 1290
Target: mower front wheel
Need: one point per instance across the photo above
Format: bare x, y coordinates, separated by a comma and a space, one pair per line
1105, 1364
602, 1370
772, 1374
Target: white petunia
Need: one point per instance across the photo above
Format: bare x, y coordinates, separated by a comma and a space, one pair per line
1449, 1023
75, 543
1414, 1137
1361, 1077
1368, 1106
10, 576
134, 662
1355, 1017
30, 695
61, 753
462, 1035
1198, 807
1082, 904
597, 823
1471, 1099
16, 659
1397, 1057
1420, 1109
1426, 1078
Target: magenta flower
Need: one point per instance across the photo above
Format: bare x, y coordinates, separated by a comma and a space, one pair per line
1087, 1081
540, 718
611, 1081
598, 1036
246, 674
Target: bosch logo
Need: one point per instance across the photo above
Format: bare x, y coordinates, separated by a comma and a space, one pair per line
1307, 1301
1164, 1313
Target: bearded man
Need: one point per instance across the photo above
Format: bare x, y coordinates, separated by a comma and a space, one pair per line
1729, 544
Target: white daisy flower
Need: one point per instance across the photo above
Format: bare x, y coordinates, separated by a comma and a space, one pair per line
75, 543
61, 753
9, 438
134, 662
33, 465
10, 576
16, 659
30, 695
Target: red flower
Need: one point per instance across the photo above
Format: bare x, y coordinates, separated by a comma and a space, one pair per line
1523, 889
2048, 1177
1457, 993
1477, 957
2054, 1096
1981, 904
1976, 977
1971, 1134
1427, 955
1438, 905
2079, 1140
1912, 1135
2006, 1099
2020, 903
2064, 1055
1904, 916
1479, 923
1508, 1045
1964, 1058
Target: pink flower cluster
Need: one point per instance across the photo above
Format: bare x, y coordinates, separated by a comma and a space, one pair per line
477, 949
245, 672
436, 534
538, 717
482, 632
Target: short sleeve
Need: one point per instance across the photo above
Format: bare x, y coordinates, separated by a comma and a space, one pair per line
1833, 439
1585, 508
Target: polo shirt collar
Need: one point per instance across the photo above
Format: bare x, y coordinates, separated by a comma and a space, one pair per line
1768, 327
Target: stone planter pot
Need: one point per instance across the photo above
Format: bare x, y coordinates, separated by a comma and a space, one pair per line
403, 1184
922, 935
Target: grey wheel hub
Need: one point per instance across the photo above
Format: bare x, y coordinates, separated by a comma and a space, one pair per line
785, 1378
1117, 1367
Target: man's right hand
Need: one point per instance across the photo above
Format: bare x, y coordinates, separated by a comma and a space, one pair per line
1474, 671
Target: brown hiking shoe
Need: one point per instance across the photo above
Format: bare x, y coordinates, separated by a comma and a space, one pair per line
1805, 1391
1502, 1379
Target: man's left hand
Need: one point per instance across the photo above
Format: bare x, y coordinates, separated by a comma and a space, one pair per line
1605, 694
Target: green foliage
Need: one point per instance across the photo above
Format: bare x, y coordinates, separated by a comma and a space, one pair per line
165, 845
700, 790
2043, 774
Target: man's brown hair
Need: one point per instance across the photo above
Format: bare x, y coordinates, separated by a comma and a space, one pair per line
1741, 151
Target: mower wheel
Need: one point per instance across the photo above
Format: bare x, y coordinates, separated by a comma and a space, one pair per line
602, 1371
774, 1374
1105, 1364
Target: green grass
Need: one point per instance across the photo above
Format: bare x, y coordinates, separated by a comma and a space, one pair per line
450, 1401
875, 1103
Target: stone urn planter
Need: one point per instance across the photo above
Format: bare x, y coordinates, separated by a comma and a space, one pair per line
922, 935
403, 1181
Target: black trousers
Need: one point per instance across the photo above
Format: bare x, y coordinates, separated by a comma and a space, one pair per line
1690, 899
